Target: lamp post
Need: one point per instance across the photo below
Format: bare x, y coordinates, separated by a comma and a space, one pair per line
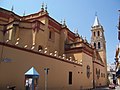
46, 77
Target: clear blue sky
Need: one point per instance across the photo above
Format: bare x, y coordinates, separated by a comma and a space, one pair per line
79, 14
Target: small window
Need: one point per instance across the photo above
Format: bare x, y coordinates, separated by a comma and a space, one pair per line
96, 70
70, 78
50, 35
98, 45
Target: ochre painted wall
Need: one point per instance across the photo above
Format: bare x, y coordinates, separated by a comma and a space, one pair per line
12, 73
87, 60
102, 80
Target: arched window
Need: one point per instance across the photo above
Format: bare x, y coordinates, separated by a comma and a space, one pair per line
40, 47
98, 33
94, 34
95, 45
99, 45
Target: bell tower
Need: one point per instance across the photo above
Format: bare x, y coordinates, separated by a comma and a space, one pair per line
98, 39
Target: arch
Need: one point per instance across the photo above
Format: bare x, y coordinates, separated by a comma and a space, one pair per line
40, 47
95, 45
99, 46
98, 33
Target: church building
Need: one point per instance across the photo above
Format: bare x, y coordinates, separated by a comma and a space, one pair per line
40, 42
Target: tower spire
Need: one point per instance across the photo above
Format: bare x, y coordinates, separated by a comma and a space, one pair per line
96, 22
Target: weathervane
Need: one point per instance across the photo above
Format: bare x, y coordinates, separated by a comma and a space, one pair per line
95, 13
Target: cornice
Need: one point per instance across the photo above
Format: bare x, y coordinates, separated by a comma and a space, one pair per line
38, 53
98, 63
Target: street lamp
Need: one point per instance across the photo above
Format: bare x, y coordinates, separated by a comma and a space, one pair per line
46, 77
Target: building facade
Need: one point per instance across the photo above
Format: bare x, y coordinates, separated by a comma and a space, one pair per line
117, 69
112, 74
37, 40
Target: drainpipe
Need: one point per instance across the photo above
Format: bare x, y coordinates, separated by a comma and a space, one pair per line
93, 77
3, 44
93, 70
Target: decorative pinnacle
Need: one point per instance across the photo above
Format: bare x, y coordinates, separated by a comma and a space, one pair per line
42, 8
42, 5
12, 8
64, 23
61, 21
76, 31
46, 7
24, 13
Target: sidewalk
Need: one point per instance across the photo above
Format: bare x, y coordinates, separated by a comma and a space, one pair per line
107, 88
101, 88
117, 88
